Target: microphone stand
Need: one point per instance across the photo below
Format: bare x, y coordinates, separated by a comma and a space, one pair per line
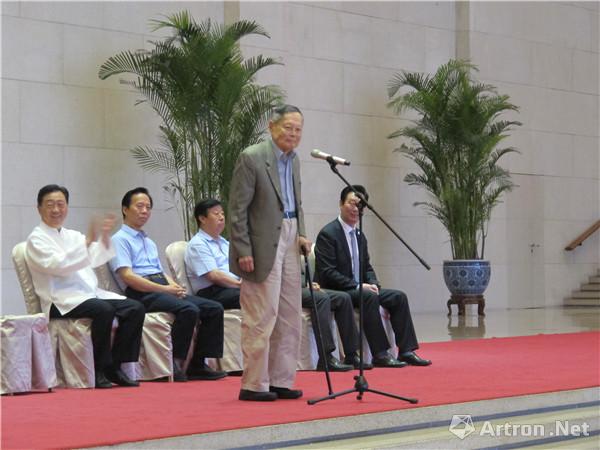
361, 385
318, 333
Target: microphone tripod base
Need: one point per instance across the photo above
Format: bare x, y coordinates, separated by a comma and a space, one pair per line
361, 386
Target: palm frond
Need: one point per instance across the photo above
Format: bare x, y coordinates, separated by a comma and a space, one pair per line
203, 90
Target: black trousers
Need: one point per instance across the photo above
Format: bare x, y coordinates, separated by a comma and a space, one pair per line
228, 297
187, 311
126, 345
341, 305
396, 303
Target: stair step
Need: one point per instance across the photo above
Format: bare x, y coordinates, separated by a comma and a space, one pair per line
595, 279
582, 302
590, 287
585, 294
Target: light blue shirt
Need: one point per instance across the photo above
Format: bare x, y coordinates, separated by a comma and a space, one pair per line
135, 249
205, 254
286, 177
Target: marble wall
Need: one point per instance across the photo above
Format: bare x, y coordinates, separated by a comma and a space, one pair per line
61, 123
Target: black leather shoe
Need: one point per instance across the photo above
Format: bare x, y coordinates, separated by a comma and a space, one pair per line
414, 360
205, 373
354, 361
117, 376
178, 373
253, 396
285, 393
388, 361
101, 381
334, 365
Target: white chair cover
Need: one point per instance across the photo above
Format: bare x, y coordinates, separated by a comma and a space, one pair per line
26, 354
73, 352
70, 338
232, 351
309, 356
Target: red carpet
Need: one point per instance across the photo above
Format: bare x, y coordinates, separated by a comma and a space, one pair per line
462, 371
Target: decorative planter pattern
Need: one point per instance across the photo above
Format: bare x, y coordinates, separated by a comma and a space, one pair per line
467, 276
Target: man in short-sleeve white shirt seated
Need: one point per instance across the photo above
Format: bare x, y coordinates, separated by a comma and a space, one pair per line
207, 257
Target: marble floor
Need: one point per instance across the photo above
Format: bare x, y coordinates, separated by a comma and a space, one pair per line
437, 327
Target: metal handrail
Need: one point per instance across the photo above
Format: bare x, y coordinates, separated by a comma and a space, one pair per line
586, 234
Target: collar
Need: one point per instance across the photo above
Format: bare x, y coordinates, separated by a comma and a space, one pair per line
50, 230
347, 228
132, 231
280, 154
203, 234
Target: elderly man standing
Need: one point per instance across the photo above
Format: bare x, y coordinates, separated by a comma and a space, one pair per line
267, 233
61, 262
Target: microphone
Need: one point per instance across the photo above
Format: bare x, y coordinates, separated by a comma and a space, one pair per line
329, 158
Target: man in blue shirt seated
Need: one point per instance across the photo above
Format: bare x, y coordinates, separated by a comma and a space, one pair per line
138, 267
207, 257
207, 267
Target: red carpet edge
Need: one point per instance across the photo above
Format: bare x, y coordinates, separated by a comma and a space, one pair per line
462, 371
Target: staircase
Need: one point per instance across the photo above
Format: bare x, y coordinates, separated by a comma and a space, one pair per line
588, 294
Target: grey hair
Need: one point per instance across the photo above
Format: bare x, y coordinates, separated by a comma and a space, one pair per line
282, 110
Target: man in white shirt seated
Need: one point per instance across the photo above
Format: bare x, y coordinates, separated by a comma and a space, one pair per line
61, 263
207, 257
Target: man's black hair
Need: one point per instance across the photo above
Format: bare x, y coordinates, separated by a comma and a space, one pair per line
203, 206
126, 202
49, 189
357, 187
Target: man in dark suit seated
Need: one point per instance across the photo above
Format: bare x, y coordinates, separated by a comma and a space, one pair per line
337, 267
341, 305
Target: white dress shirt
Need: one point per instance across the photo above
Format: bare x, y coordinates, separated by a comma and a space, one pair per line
61, 266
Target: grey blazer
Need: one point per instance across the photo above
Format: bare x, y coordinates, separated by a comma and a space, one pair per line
256, 209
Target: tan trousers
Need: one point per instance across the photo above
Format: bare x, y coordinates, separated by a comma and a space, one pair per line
271, 321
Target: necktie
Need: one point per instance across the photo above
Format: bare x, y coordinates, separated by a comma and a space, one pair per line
355, 261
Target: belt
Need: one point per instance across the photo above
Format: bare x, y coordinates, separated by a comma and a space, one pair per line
158, 278
289, 215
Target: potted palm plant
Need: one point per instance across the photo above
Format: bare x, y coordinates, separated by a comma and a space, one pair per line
454, 143
204, 91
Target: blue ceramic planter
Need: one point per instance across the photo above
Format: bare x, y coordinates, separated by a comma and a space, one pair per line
467, 276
